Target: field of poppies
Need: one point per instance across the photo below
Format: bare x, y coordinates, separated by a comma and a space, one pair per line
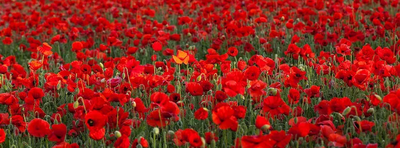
199, 73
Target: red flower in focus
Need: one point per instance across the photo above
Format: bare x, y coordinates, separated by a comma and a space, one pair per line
95, 120
293, 96
97, 134
156, 46
274, 106
38, 128
187, 135
257, 88
194, 88
58, 133
234, 83
122, 142
36, 93
201, 114
155, 119
362, 126
262, 123
337, 140
232, 51
77, 46
361, 78
252, 73
223, 116
259, 141
143, 142
343, 49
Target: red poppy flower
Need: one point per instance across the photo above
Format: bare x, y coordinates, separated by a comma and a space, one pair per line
2, 135
281, 138
220, 96
143, 142
257, 88
194, 88
337, 140
240, 111
201, 114
363, 126
252, 73
97, 134
259, 141
223, 116
18, 121
232, 51
234, 83
38, 128
122, 142
58, 133
187, 135
262, 123
156, 46
77, 46
293, 96
360, 78
95, 120
36, 93
155, 119
274, 106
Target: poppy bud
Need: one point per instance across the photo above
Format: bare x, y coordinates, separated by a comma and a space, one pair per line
156, 130
59, 85
76, 104
302, 67
272, 91
134, 104
117, 134
189, 34
198, 78
346, 111
356, 118
101, 65
265, 128
123, 75
241, 96
378, 97
203, 142
371, 110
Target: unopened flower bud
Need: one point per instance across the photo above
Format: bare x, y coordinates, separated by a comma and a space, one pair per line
203, 142
117, 134
272, 91
371, 110
378, 97
346, 111
76, 104
265, 128
156, 130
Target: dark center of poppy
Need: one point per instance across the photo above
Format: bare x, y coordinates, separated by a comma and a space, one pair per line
298, 75
90, 122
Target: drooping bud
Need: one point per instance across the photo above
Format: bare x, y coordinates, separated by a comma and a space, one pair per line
346, 111
76, 104
370, 110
